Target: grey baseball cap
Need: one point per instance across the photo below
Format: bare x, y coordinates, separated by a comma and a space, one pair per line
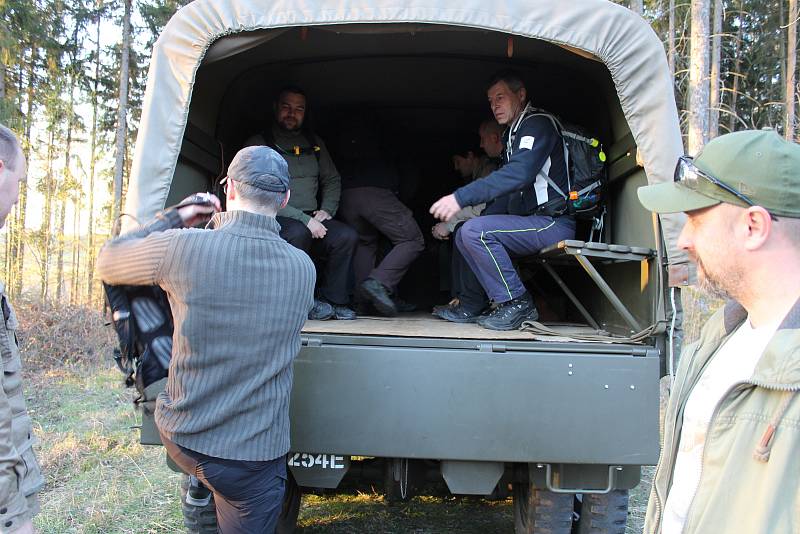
261, 167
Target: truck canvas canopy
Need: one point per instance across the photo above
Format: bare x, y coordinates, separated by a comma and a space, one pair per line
224, 43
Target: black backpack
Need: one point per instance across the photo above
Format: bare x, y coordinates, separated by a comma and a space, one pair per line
587, 175
142, 318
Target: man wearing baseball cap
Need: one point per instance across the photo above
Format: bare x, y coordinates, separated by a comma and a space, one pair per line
239, 296
730, 460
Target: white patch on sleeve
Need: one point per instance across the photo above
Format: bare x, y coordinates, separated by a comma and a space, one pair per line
527, 142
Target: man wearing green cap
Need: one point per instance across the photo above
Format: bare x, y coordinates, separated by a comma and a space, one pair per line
730, 460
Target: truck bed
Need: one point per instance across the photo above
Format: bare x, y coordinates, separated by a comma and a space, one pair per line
423, 324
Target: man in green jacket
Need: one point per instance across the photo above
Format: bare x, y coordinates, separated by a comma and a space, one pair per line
730, 460
20, 477
307, 220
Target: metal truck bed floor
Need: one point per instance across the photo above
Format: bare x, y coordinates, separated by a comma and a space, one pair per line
422, 324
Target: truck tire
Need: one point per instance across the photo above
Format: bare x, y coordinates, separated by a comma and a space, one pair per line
197, 519
538, 511
287, 521
605, 513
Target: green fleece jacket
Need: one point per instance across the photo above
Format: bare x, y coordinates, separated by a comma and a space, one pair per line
750, 478
307, 175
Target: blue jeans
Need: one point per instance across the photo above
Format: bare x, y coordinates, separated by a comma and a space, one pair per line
248, 494
489, 242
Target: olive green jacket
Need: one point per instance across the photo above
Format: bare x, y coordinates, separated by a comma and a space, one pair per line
20, 477
750, 478
314, 183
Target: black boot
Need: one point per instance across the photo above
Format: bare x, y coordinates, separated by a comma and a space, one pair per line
376, 294
510, 315
457, 313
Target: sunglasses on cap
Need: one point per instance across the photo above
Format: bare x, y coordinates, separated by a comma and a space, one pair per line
688, 174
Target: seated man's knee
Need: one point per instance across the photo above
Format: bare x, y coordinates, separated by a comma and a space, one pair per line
471, 231
296, 234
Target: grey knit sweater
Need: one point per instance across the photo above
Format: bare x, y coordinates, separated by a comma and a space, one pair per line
239, 295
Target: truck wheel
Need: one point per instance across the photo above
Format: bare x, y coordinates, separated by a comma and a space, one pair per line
605, 513
539, 511
197, 519
287, 522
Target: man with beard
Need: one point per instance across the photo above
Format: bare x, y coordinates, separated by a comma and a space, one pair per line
306, 222
730, 459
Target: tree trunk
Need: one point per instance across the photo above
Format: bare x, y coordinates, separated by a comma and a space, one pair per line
791, 69
92, 166
47, 217
60, 240
22, 204
119, 163
716, 52
698, 77
74, 291
737, 65
671, 39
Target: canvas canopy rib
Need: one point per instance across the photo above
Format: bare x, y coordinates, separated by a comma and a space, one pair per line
622, 40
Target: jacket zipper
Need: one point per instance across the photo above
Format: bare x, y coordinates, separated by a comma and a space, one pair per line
659, 506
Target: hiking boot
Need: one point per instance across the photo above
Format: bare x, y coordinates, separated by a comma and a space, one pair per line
457, 314
403, 306
510, 315
197, 494
440, 307
321, 311
343, 313
377, 295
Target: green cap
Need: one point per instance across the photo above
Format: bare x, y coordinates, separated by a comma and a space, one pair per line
760, 164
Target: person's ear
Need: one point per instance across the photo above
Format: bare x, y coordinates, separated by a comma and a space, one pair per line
2, 165
757, 225
232, 194
286, 198
523, 94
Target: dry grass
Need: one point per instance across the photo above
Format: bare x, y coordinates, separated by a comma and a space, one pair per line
100, 480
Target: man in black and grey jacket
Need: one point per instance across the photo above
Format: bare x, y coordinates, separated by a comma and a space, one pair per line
239, 295
533, 174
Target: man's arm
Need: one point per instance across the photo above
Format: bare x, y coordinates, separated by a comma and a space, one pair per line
136, 258
533, 144
330, 181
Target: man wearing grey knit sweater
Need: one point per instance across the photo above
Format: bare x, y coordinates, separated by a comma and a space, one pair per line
239, 296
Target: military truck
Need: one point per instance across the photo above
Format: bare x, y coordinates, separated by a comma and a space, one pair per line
560, 414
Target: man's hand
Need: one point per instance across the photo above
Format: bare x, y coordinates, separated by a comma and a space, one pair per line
322, 215
26, 528
441, 231
198, 208
318, 229
444, 208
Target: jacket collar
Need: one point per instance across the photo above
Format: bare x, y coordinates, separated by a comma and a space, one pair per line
245, 223
779, 365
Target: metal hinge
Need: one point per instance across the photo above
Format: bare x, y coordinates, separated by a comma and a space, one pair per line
310, 341
491, 347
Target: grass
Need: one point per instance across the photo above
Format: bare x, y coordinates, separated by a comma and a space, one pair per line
100, 480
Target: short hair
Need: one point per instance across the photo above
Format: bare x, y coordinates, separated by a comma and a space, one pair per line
293, 89
512, 78
251, 194
9, 148
492, 126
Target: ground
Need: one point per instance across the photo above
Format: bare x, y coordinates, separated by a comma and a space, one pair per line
100, 480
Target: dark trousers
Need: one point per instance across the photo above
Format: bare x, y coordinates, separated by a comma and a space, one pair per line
488, 243
465, 285
248, 494
373, 211
337, 248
